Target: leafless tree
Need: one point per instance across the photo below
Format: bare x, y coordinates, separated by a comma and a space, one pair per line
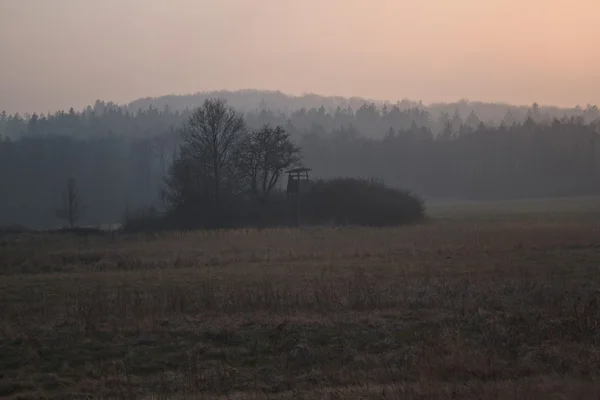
264, 156
210, 139
70, 209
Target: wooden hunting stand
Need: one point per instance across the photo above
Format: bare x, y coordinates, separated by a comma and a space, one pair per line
298, 184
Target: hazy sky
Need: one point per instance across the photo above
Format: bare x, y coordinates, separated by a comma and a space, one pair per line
61, 53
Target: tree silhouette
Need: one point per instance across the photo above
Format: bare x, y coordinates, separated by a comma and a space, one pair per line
263, 157
210, 138
70, 209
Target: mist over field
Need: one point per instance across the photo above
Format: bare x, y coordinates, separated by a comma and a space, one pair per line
417, 94
120, 155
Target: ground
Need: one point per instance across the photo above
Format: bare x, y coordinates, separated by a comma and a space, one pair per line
489, 300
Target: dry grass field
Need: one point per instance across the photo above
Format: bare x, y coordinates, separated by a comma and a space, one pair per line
456, 308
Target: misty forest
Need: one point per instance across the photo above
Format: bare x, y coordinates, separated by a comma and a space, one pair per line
120, 156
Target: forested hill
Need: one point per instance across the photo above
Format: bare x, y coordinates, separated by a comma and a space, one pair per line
252, 100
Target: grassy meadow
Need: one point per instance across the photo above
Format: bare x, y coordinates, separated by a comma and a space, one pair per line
483, 301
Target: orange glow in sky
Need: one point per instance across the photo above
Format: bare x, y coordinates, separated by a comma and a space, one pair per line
60, 53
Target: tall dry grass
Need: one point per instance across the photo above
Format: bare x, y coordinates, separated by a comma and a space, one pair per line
442, 310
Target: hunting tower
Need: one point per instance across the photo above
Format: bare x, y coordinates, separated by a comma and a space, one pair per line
298, 181
298, 184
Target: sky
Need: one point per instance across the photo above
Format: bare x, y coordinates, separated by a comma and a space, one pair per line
55, 54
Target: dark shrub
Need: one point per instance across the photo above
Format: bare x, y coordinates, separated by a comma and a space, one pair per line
145, 219
344, 201
348, 201
12, 229
80, 231
264, 213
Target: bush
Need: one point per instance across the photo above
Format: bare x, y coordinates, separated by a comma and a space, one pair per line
146, 219
80, 231
344, 201
348, 201
12, 229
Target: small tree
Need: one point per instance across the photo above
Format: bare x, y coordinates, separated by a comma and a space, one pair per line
70, 209
263, 157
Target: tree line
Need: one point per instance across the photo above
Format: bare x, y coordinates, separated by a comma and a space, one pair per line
153, 116
120, 158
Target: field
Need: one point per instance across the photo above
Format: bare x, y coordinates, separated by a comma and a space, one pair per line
484, 301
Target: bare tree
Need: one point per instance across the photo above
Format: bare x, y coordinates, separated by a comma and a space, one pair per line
70, 209
210, 139
264, 156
